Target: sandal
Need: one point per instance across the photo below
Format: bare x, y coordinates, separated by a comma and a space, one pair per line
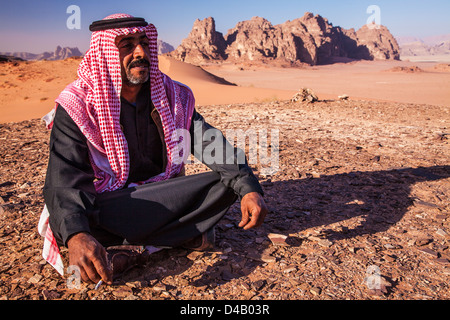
204, 242
123, 258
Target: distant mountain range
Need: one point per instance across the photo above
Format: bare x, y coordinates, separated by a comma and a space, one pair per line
164, 47
311, 39
58, 54
64, 53
429, 46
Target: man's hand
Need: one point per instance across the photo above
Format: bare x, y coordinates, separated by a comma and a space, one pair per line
90, 256
253, 210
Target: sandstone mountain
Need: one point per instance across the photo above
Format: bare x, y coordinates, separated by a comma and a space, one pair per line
203, 43
309, 39
164, 47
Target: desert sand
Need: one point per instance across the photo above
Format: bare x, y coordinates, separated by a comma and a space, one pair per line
367, 80
359, 206
28, 89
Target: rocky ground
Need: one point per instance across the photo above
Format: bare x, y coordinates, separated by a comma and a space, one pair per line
359, 209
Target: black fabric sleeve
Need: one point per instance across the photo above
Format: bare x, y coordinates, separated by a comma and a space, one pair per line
232, 166
69, 191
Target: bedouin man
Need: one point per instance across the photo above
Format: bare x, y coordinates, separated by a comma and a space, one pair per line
114, 176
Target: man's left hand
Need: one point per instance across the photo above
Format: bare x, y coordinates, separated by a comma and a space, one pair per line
253, 210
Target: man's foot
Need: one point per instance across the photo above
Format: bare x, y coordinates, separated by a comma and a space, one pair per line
204, 242
123, 258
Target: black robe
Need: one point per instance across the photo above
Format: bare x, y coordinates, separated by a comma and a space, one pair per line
69, 191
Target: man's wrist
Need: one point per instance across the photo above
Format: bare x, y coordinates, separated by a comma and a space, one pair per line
76, 237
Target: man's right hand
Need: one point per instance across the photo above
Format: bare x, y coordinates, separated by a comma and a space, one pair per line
90, 256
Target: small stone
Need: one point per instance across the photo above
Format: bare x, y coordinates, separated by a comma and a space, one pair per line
134, 284
315, 291
277, 239
315, 175
35, 279
122, 292
441, 232
443, 261
257, 285
314, 238
264, 257
25, 185
303, 286
159, 287
425, 204
50, 295
267, 258
423, 241
325, 243
194, 255
429, 252
245, 286
289, 269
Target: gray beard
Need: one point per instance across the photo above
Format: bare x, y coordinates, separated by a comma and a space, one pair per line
136, 80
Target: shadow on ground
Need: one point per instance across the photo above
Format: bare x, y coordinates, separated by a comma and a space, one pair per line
378, 198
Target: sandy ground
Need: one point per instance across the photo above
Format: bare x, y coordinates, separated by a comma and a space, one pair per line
360, 199
360, 80
28, 89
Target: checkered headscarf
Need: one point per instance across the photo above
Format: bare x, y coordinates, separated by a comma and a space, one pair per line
93, 102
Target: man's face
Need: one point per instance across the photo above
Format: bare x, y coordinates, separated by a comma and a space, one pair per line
134, 58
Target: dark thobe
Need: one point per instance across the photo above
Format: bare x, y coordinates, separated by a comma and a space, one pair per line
164, 213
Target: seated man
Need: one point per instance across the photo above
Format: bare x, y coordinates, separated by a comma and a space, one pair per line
114, 175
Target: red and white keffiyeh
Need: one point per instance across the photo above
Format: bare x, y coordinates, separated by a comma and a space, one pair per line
93, 102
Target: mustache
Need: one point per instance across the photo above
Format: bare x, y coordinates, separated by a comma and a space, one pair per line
138, 62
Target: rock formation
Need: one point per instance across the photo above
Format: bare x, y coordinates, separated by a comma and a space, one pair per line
164, 47
380, 43
309, 39
64, 53
203, 43
254, 39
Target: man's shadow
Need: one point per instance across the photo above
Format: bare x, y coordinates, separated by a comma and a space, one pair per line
378, 199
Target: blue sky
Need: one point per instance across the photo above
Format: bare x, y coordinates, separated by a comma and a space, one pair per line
37, 26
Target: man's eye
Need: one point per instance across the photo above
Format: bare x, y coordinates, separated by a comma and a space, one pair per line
126, 46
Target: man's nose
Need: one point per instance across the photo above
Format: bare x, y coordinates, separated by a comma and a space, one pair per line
138, 52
